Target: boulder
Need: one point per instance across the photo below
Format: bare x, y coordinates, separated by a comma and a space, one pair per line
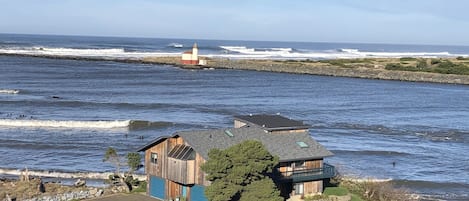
79, 183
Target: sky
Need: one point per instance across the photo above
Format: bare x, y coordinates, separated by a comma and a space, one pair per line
443, 22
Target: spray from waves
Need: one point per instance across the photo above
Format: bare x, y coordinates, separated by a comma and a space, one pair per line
9, 91
289, 53
80, 53
99, 124
69, 175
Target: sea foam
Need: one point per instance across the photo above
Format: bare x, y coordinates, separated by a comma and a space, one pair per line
64, 124
9, 91
241, 52
77, 52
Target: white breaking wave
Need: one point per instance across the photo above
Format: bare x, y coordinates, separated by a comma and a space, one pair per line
68, 175
75, 52
64, 124
258, 51
9, 91
243, 52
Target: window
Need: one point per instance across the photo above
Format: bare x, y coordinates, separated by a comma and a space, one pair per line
299, 164
302, 144
299, 188
154, 158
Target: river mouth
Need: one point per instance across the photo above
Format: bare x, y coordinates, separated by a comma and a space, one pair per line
368, 124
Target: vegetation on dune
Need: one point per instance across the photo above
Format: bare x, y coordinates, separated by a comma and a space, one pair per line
240, 173
407, 59
442, 66
346, 62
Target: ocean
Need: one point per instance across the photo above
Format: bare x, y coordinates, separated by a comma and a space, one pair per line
61, 115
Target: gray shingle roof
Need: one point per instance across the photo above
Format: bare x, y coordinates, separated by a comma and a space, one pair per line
283, 145
273, 122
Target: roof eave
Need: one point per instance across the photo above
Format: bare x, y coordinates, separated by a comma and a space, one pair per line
153, 143
304, 159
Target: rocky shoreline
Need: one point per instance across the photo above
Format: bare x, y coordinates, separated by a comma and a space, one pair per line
360, 70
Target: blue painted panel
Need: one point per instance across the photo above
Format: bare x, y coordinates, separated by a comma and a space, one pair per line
184, 191
157, 187
197, 193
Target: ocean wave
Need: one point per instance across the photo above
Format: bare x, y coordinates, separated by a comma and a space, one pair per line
98, 124
235, 52
371, 152
344, 53
79, 52
9, 91
258, 51
437, 135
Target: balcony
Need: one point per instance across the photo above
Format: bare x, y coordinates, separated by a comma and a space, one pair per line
302, 175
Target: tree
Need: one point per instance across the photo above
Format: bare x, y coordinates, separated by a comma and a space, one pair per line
237, 171
112, 157
261, 190
133, 160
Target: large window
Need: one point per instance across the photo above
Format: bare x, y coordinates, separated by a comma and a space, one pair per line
299, 188
154, 158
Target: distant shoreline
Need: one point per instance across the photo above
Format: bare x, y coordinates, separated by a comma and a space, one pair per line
367, 68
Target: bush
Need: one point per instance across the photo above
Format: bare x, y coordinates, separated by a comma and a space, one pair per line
408, 59
435, 61
397, 66
142, 187
383, 191
421, 64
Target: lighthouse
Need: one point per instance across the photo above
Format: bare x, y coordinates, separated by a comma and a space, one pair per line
191, 57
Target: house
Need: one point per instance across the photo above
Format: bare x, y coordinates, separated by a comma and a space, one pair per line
172, 163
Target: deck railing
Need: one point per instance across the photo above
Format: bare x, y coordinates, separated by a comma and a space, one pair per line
301, 175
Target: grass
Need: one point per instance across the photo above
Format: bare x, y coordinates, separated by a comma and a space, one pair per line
339, 191
356, 198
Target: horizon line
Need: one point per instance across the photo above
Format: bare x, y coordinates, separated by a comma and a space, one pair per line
244, 40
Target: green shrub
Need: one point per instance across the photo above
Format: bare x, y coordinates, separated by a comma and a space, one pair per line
408, 59
435, 61
142, 187
397, 66
461, 58
421, 64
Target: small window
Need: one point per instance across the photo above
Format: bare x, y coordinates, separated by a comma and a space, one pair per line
302, 144
154, 158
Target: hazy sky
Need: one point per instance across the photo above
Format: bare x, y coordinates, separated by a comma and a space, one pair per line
369, 21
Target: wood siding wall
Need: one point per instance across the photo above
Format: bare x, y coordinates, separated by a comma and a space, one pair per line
181, 171
188, 173
288, 166
313, 187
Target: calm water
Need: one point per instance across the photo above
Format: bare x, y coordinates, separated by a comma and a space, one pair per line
369, 124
